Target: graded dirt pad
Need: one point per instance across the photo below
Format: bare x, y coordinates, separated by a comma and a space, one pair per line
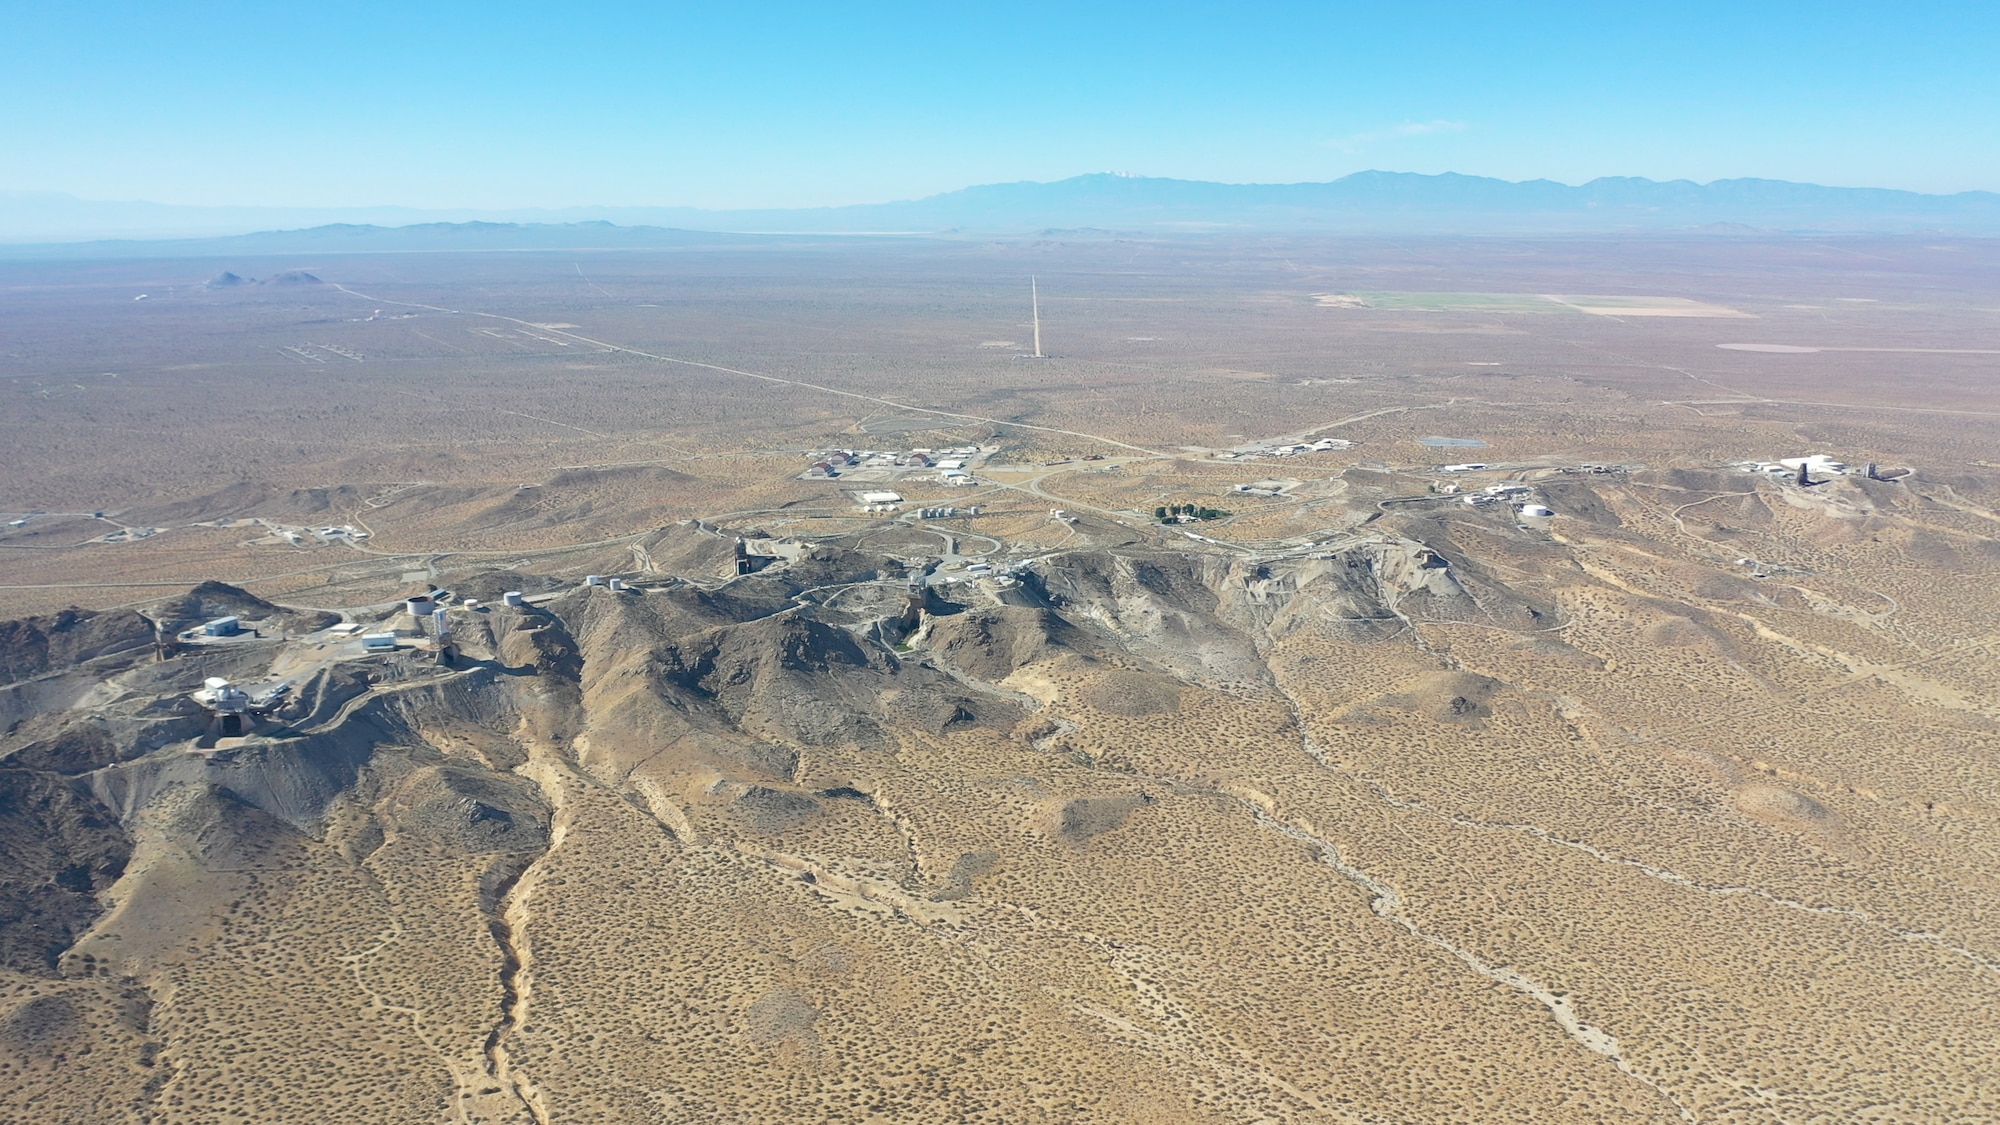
1357, 804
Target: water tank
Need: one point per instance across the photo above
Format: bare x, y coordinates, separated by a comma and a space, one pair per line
512, 597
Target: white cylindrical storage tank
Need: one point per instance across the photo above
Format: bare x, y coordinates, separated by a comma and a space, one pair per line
419, 607
1532, 510
512, 597
593, 580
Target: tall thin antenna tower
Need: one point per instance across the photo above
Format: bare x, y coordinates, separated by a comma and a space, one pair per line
1035, 300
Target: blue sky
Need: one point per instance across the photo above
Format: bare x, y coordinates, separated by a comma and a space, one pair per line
502, 105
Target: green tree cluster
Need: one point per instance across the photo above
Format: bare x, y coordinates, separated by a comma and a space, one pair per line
1167, 513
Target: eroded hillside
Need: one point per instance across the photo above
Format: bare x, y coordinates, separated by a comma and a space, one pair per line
1435, 820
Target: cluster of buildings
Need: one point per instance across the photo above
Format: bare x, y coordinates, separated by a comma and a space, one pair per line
1491, 494
1504, 493
996, 578
425, 622
428, 626
296, 536
1322, 445
1820, 465
833, 463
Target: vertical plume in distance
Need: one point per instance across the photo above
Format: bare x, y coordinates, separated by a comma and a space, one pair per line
1035, 301
1035, 304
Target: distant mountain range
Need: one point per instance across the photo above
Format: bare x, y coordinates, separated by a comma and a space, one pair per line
1402, 202
360, 238
1363, 203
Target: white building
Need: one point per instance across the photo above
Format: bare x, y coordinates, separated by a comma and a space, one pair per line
218, 694
1819, 463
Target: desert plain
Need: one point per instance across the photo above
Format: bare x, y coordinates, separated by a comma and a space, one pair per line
1514, 732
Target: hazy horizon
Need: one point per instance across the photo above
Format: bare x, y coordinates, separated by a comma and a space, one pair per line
1364, 202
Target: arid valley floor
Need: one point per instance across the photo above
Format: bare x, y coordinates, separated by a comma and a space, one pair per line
1378, 795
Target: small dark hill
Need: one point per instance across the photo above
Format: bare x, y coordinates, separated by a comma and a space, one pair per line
227, 280
531, 639
32, 646
694, 550
293, 277
212, 599
471, 811
1449, 697
58, 850
1076, 821
774, 810
991, 644
73, 749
